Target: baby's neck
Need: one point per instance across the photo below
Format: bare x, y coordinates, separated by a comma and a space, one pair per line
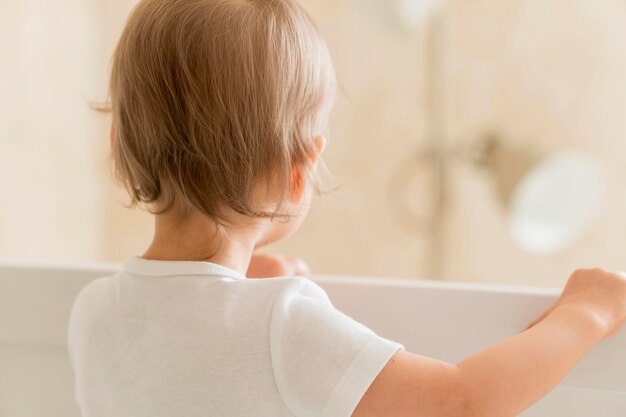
196, 238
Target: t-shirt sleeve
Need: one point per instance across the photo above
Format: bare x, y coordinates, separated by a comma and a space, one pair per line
323, 360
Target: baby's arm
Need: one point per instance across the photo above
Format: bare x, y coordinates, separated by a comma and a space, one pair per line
504, 379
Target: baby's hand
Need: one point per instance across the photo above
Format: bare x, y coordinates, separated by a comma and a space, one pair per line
268, 266
599, 293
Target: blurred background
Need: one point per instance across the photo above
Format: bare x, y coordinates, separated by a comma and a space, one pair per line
447, 115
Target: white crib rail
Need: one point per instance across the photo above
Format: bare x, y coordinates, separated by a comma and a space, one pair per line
443, 320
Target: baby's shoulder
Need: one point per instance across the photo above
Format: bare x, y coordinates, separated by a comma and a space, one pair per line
94, 290
289, 285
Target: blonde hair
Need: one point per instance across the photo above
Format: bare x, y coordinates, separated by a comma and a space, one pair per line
210, 98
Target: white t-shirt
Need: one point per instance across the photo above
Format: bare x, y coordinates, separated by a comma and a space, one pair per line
187, 339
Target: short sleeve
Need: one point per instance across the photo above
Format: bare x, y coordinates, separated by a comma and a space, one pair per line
323, 360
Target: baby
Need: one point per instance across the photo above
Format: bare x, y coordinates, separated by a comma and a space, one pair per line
219, 109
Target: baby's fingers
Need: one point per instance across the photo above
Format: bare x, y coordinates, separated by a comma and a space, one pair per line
299, 267
268, 266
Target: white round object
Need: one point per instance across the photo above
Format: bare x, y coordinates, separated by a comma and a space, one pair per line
556, 202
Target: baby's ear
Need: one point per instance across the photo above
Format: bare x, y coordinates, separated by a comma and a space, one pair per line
296, 184
319, 144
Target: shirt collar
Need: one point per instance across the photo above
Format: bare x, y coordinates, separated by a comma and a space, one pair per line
141, 266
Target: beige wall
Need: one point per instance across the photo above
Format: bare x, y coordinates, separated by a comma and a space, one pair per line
51, 193
545, 71
548, 72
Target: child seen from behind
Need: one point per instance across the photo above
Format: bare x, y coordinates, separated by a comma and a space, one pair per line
219, 112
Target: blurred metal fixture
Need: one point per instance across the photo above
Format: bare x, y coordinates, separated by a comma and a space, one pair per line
550, 198
409, 15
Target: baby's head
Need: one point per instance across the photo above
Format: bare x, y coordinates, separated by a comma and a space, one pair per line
219, 107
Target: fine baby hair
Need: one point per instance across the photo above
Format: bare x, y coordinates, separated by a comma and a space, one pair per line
212, 98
